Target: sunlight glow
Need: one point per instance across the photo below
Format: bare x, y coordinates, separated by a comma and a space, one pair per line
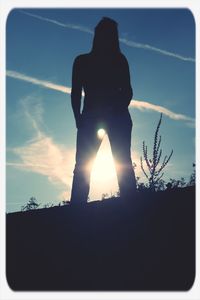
103, 176
103, 166
100, 133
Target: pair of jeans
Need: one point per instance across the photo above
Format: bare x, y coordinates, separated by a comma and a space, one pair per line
118, 128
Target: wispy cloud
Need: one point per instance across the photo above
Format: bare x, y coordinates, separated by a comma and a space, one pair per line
32, 110
139, 104
125, 41
41, 155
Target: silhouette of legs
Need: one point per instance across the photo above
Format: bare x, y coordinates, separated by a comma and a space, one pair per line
119, 133
86, 149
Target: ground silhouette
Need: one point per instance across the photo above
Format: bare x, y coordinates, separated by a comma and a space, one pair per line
147, 244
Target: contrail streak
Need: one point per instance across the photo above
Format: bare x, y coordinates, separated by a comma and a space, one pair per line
70, 26
43, 83
146, 105
67, 90
151, 48
127, 42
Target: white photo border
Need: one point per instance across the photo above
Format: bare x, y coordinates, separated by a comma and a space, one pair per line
5, 7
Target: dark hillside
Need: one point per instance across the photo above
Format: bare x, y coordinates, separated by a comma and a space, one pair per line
148, 244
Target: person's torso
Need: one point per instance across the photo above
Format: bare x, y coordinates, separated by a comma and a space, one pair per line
101, 82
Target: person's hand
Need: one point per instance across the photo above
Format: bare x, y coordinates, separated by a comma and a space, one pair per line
78, 121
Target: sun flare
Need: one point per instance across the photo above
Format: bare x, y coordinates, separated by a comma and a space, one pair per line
103, 176
100, 133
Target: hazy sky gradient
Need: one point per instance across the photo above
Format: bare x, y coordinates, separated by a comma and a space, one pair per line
41, 134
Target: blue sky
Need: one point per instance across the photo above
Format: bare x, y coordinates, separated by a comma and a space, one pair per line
41, 45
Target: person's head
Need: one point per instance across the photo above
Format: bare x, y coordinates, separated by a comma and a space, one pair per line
106, 40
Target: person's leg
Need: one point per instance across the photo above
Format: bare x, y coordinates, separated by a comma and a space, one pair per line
119, 132
86, 149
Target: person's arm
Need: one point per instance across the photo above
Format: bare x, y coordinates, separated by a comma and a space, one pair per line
76, 92
125, 86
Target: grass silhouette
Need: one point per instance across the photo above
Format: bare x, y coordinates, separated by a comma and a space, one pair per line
153, 164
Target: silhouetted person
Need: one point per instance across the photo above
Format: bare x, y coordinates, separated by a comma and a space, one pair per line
104, 76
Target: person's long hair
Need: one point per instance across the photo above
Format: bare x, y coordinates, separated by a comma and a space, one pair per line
106, 39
